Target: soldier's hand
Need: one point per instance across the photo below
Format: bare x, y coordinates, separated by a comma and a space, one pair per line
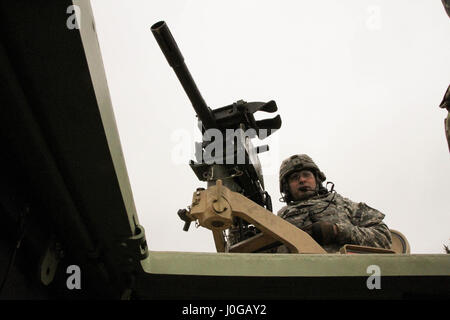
324, 232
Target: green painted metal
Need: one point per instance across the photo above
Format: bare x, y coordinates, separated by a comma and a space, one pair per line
294, 265
100, 85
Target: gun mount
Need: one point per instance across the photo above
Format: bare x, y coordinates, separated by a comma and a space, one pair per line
239, 167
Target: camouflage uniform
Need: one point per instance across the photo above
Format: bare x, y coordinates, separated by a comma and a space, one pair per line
357, 223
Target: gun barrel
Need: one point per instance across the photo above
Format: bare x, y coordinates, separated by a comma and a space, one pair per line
173, 55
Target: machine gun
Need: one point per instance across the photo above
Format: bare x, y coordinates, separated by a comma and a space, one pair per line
234, 177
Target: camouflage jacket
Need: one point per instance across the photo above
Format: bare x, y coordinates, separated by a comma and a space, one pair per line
357, 223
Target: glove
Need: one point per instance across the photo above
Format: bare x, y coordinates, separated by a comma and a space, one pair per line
324, 232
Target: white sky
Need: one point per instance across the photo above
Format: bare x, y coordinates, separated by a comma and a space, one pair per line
357, 84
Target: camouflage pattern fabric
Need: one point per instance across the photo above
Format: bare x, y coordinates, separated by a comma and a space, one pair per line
357, 223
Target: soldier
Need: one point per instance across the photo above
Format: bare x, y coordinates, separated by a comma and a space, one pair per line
329, 218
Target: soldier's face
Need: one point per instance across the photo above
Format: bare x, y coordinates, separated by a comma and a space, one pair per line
301, 182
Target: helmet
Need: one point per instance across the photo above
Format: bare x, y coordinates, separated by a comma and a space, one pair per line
295, 163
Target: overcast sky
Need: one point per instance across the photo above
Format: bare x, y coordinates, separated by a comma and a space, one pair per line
357, 84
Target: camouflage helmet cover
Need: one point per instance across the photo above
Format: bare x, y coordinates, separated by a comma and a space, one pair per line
298, 162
